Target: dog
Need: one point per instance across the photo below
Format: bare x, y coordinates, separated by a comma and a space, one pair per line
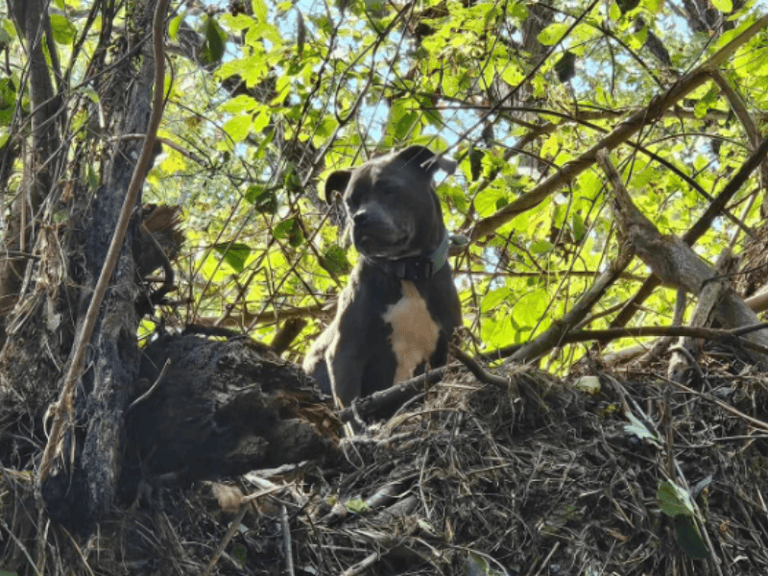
399, 310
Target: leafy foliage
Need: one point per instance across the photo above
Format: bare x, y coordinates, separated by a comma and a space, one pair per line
265, 98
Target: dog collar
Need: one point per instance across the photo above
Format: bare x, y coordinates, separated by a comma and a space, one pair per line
416, 268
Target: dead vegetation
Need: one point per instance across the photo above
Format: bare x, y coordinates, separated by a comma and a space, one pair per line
535, 476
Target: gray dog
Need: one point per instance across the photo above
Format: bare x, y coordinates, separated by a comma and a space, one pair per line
399, 310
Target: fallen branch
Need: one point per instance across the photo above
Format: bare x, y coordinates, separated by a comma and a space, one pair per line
674, 262
698, 229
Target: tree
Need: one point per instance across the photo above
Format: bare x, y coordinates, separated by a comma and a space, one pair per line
262, 99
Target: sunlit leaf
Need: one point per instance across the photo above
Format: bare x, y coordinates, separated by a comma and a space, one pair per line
238, 127
173, 27
259, 10
552, 33
491, 300
529, 309
63, 30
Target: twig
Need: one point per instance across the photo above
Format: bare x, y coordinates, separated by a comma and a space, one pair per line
152, 388
397, 393
546, 560
620, 134
727, 407
287, 540
363, 565
477, 370
20, 544
64, 406
235, 524
233, 527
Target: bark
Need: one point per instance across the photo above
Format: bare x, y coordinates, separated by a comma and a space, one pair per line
221, 409
42, 162
82, 490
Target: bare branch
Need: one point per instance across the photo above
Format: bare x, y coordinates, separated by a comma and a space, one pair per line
620, 134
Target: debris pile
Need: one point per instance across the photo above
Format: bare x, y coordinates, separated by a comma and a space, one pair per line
599, 473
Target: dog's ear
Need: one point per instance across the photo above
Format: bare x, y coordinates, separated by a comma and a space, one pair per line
427, 160
337, 182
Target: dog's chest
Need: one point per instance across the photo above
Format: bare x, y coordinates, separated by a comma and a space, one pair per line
414, 333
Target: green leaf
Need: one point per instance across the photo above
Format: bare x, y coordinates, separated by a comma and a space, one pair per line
326, 126
552, 33
541, 246
173, 27
639, 429
477, 564
725, 6
335, 260
63, 30
259, 10
529, 308
653, 5
578, 227
260, 121
357, 505
291, 230
235, 254
212, 50
589, 185
301, 33
9, 28
263, 200
5, 38
238, 127
402, 118
240, 103
487, 200
689, 538
674, 500
494, 298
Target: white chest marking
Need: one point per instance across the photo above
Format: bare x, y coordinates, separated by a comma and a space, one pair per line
414, 333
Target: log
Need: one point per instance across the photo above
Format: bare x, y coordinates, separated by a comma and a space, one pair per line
221, 409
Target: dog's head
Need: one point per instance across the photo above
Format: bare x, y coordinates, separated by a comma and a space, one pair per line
391, 202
